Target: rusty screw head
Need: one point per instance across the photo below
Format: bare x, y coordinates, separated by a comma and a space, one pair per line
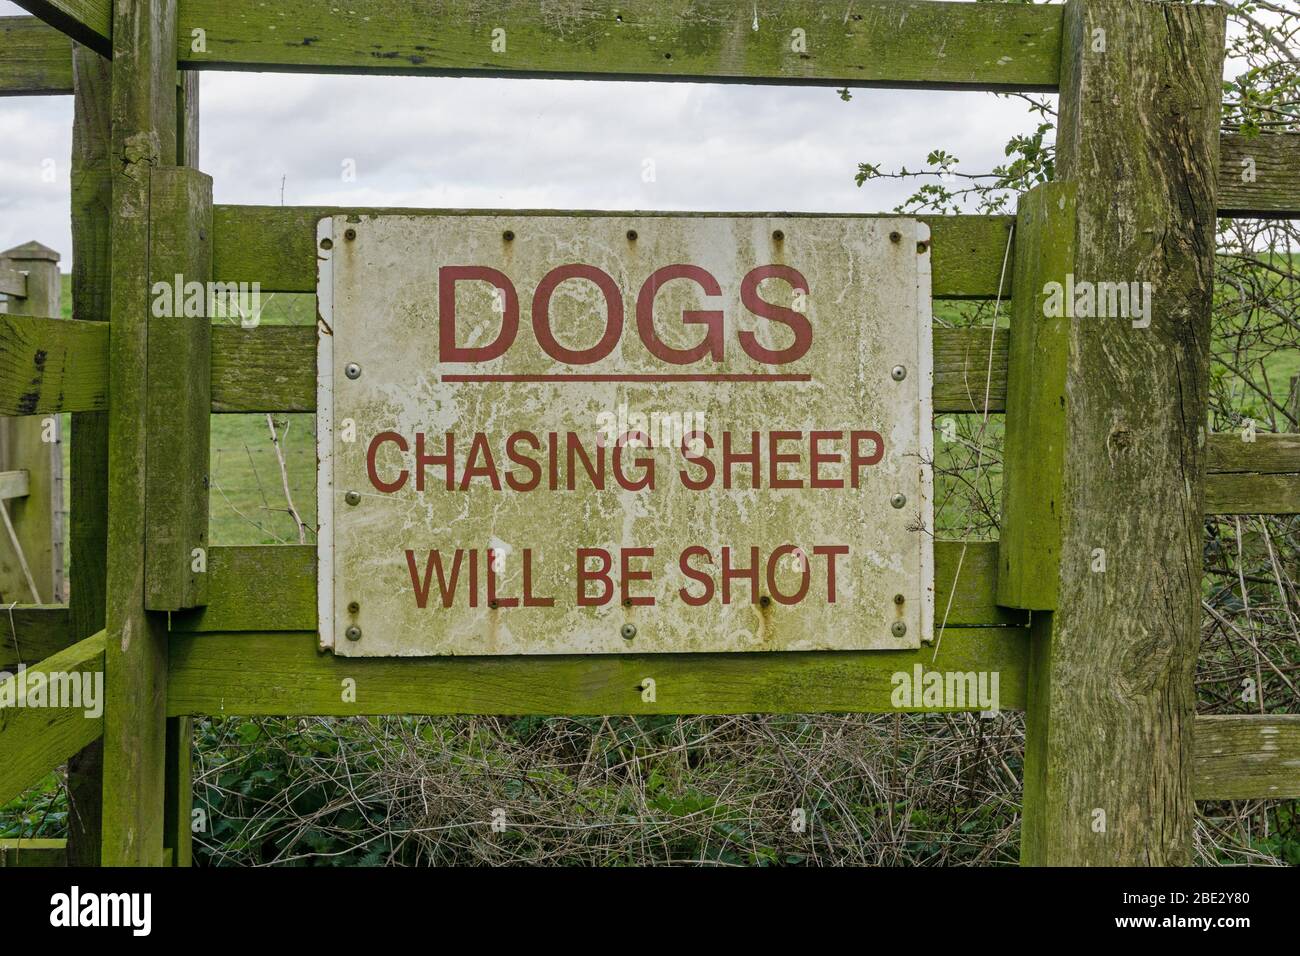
353, 633
778, 235
352, 498
899, 599
898, 499
353, 607
898, 629
628, 631
352, 370
895, 236
631, 235
508, 235
349, 234
327, 243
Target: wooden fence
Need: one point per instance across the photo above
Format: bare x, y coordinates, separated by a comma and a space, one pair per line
1105, 426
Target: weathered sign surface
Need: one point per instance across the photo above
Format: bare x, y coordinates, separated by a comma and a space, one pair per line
610, 434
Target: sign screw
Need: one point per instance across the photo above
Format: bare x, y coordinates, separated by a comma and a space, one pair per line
353, 633
353, 607
899, 599
353, 498
898, 629
898, 500
508, 235
631, 235
349, 234
778, 235
895, 236
352, 370
898, 373
628, 631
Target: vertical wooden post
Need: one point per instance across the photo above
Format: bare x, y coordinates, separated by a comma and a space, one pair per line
178, 836
1107, 766
33, 444
135, 716
92, 199
1029, 540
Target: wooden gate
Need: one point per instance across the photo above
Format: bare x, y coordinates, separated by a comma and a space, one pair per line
1106, 443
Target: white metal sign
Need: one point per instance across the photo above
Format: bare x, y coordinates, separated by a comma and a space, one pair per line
609, 434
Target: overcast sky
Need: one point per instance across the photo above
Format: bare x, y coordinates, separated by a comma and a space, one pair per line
525, 144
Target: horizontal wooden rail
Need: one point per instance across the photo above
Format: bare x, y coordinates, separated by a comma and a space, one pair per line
33, 853
1268, 454
275, 246
272, 369
13, 282
35, 59
1252, 494
52, 365
1259, 175
899, 43
15, 484
283, 673
273, 588
1247, 757
880, 42
29, 633
268, 674
35, 740
57, 365
1257, 477
89, 22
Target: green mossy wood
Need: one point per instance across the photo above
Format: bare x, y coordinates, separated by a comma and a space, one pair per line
284, 673
179, 391
1033, 456
33, 853
1259, 175
1247, 757
35, 59
92, 200
869, 42
1108, 736
276, 245
31, 633
34, 740
144, 137
89, 22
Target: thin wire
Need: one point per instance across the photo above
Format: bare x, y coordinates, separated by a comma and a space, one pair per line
979, 448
